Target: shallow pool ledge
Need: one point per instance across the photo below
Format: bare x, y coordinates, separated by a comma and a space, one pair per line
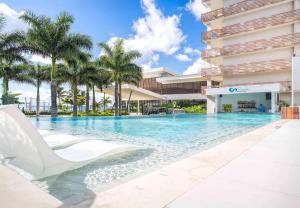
160, 187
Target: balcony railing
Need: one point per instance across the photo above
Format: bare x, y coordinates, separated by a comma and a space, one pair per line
237, 8
249, 68
252, 25
253, 46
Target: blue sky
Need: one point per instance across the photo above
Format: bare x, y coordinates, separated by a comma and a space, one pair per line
167, 32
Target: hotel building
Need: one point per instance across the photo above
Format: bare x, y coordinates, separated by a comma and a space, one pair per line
251, 44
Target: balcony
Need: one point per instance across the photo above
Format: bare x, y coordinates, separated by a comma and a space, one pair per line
249, 68
213, 71
237, 8
253, 46
252, 25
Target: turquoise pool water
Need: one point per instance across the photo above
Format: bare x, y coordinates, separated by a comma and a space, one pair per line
166, 139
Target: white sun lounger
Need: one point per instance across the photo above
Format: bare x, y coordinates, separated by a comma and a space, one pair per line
21, 142
58, 141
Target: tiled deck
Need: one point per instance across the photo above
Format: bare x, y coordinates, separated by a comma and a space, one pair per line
265, 176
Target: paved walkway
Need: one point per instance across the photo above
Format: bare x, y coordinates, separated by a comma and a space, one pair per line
265, 176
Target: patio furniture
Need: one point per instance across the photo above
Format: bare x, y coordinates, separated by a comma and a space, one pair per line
21, 142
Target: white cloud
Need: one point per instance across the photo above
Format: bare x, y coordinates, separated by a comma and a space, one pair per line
189, 50
197, 8
40, 59
183, 57
155, 33
12, 20
196, 67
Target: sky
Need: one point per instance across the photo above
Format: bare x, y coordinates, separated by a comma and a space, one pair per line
166, 32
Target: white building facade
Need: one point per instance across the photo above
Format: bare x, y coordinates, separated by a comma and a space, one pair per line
252, 44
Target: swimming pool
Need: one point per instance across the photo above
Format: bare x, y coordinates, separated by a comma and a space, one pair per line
166, 139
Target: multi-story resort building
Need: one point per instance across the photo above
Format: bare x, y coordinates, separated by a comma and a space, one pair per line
251, 45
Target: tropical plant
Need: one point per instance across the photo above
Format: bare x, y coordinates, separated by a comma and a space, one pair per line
195, 109
52, 39
39, 74
227, 108
12, 46
61, 93
18, 73
104, 101
100, 80
74, 72
91, 77
11, 98
120, 63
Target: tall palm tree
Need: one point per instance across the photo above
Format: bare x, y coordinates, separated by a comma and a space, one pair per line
74, 72
39, 74
52, 39
15, 72
134, 77
119, 62
88, 78
104, 101
100, 79
12, 45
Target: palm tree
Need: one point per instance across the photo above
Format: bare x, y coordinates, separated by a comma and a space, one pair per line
120, 63
134, 78
104, 101
61, 93
39, 74
15, 72
53, 39
100, 80
74, 72
90, 76
12, 45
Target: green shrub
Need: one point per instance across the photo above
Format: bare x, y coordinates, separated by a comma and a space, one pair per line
195, 109
227, 108
33, 113
97, 113
283, 104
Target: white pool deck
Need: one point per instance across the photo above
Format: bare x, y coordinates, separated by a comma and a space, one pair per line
258, 169
265, 176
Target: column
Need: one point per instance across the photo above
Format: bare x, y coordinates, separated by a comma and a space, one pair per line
138, 107
273, 102
217, 100
211, 104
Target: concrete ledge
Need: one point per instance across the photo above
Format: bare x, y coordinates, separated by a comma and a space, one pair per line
17, 192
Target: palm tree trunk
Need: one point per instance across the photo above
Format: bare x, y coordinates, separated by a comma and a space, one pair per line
53, 90
94, 99
75, 106
5, 86
38, 98
87, 99
127, 107
116, 99
5, 89
104, 102
120, 98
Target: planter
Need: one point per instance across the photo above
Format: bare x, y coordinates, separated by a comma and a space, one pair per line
290, 112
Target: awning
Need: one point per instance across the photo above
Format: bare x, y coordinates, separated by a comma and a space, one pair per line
274, 87
185, 79
137, 93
